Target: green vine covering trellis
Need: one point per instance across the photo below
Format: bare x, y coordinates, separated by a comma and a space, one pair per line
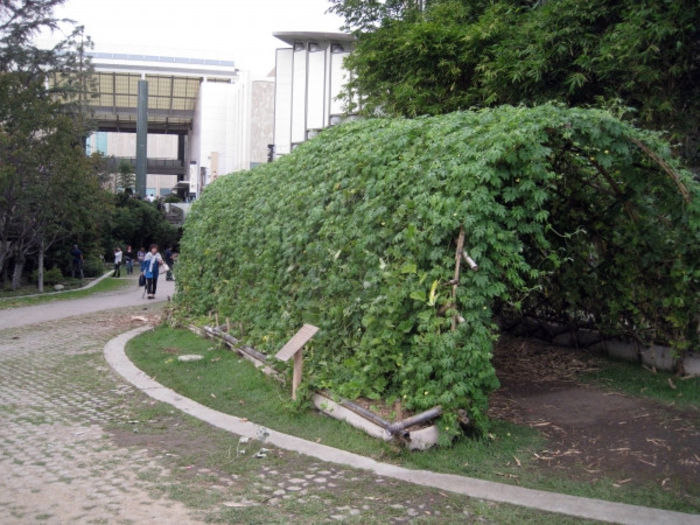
569, 213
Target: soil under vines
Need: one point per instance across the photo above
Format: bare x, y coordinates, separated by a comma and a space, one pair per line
593, 432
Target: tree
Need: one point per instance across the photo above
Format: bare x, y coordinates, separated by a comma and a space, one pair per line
457, 54
367, 15
138, 223
68, 199
46, 182
127, 177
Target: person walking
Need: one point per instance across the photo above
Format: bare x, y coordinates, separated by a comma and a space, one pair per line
77, 266
140, 256
169, 257
129, 256
117, 261
152, 264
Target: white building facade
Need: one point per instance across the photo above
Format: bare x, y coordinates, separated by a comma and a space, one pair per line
206, 118
205, 114
309, 81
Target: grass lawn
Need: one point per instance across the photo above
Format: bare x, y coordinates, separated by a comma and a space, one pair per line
227, 383
69, 283
106, 285
660, 386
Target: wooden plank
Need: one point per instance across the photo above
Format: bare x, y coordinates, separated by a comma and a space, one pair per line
295, 344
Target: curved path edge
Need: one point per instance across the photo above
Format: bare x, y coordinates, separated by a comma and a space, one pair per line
589, 508
45, 294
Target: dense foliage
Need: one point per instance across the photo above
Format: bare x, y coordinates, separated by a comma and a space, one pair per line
355, 231
51, 194
138, 223
456, 54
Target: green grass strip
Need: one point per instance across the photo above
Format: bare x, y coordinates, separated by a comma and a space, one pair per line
225, 382
106, 285
660, 386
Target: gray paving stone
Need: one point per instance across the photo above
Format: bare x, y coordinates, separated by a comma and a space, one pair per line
53, 451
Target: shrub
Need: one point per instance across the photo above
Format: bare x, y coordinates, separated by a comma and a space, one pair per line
93, 266
51, 277
173, 197
566, 211
138, 223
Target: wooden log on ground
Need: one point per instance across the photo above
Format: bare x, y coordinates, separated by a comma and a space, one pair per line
234, 343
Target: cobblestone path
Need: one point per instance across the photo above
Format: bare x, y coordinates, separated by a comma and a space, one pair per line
58, 465
78, 445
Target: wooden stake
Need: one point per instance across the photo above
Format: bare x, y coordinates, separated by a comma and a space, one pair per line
458, 267
296, 376
228, 325
398, 410
216, 319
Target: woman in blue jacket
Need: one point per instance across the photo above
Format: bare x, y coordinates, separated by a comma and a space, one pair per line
152, 263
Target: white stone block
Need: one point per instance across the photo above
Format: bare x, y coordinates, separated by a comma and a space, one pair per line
424, 438
660, 357
691, 365
628, 351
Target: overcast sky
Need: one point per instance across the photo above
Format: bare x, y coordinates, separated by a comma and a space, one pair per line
238, 30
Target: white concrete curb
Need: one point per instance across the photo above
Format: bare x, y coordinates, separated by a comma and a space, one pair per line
87, 286
499, 492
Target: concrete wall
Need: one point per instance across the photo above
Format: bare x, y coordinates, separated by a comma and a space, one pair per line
261, 119
195, 147
214, 129
283, 101
124, 145
232, 126
240, 117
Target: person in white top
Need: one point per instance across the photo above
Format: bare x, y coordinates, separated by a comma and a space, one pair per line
117, 261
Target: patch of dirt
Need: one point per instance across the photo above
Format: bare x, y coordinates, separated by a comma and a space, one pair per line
392, 413
592, 432
160, 435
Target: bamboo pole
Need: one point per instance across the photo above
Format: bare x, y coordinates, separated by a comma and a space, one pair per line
458, 267
414, 420
664, 166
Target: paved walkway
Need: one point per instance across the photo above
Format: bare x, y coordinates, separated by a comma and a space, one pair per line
58, 464
40, 313
79, 445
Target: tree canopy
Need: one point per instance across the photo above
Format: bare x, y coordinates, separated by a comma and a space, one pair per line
137, 223
415, 59
48, 187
